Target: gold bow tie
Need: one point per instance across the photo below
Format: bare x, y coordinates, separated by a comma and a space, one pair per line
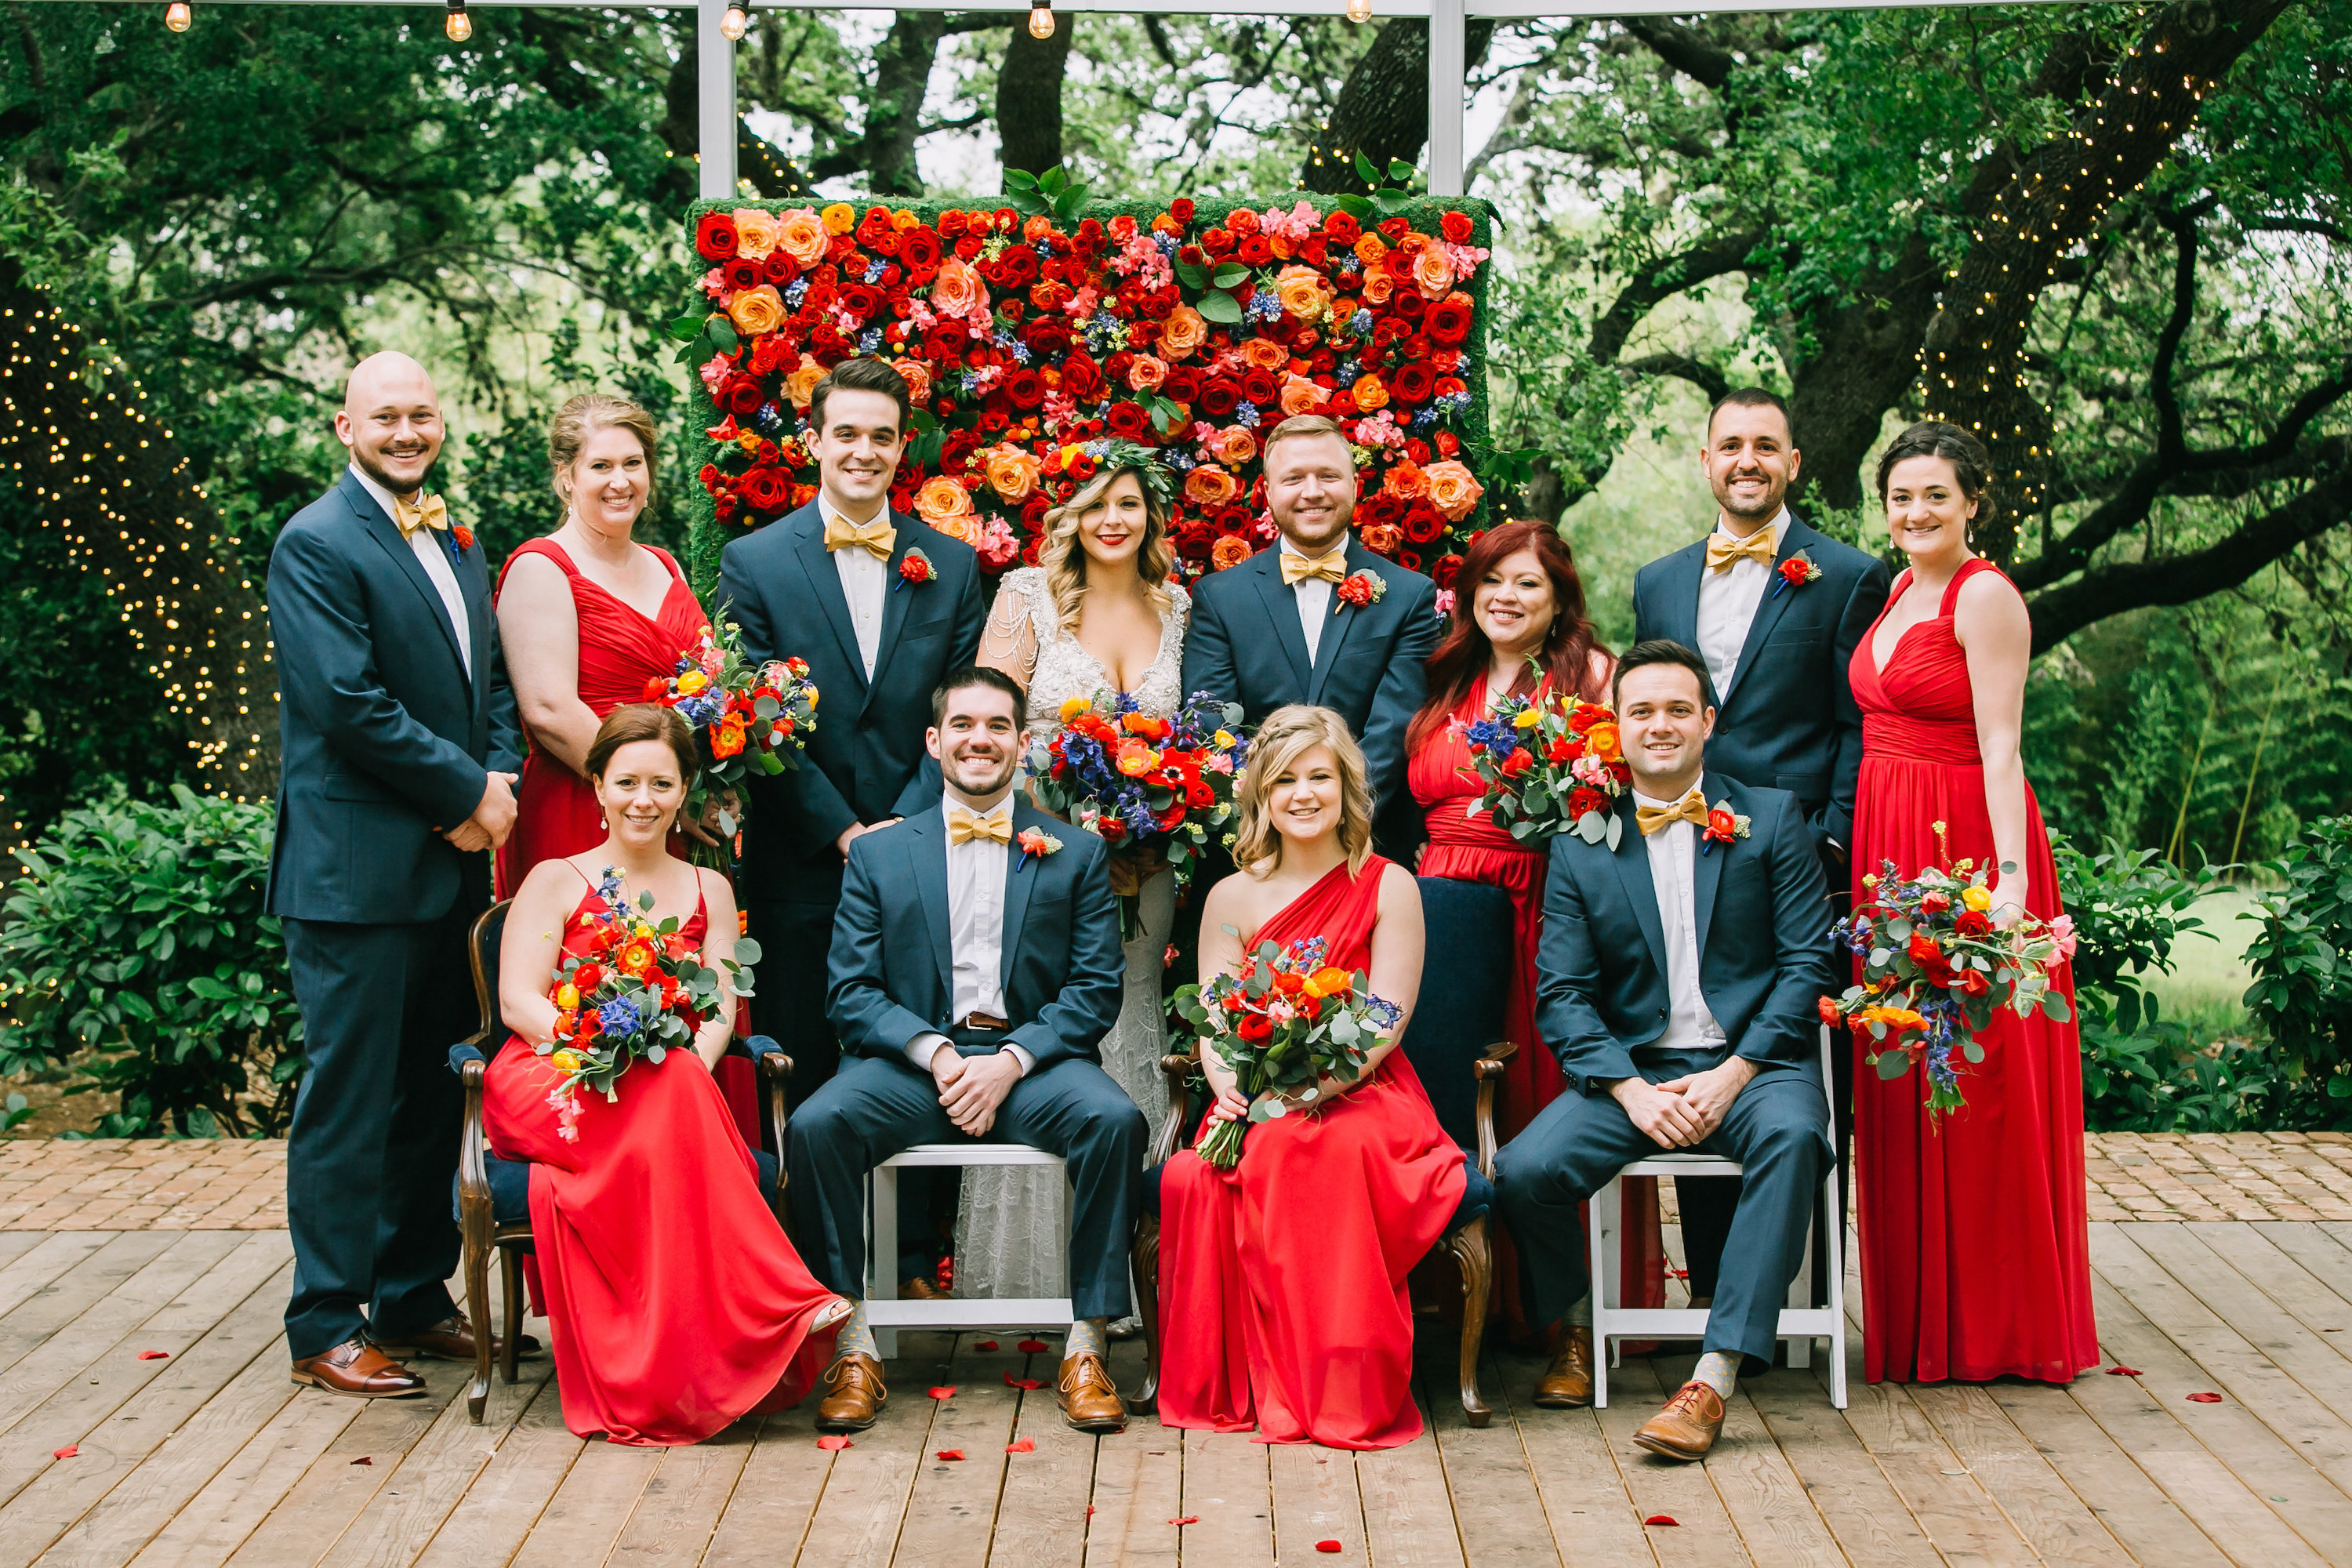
431, 512
1722, 551
963, 826
1298, 568
1692, 809
877, 536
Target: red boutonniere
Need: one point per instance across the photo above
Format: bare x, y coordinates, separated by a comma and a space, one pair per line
461, 536
1359, 589
1796, 572
916, 567
1723, 826
1035, 844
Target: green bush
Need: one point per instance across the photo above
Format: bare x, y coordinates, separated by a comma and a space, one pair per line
139, 953
2302, 962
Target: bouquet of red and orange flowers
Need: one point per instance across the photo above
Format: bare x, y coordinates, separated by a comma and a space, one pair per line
744, 716
1286, 1020
1155, 790
635, 989
1550, 765
1935, 966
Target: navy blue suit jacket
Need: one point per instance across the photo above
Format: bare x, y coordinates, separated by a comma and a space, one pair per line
892, 967
865, 761
1765, 956
1788, 721
1244, 644
382, 738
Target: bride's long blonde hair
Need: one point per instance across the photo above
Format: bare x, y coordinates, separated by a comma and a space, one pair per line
1287, 735
1064, 557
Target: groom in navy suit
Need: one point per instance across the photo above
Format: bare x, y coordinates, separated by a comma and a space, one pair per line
398, 749
976, 967
1677, 981
1776, 609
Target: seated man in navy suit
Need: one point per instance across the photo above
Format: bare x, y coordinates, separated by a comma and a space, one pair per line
1677, 981
975, 967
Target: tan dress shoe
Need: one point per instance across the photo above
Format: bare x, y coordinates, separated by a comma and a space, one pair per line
358, 1369
1568, 1383
1089, 1403
451, 1339
920, 1291
1686, 1428
854, 1394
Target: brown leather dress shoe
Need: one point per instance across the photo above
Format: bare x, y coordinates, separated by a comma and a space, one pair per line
1089, 1403
920, 1291
360, 1370
1686, 1428
451, 1339
854, 1394
1566, 1385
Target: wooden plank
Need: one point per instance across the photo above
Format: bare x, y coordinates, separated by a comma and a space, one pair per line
951, 1507
533, 1455
683, 1503
256, 1478
2054, 1521
1846, 1487
2322, 1258
334, 1488
2280, 1274
768, 1518
54, 1254
1702, 1534
1229, 1488
1408, 1515
98, 1275
1761, 1492
2134, 1510
591, 1508
1963, 1522
1497, 1509
1139, 1483
1578, 1473
1315, 1498
15, 1244
2305, 1362
858, 1519
1041, 1514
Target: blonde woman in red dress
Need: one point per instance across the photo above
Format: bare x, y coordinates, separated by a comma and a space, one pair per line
1282, 1280
1975, 1240
1517, 628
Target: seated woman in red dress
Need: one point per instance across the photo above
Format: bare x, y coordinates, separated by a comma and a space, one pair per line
1282, 1281
1519, 628
675, 1302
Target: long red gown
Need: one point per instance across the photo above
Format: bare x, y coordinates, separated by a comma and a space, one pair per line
1975, 1241
556, 812
1473, 849
674, 1302
1282, 1281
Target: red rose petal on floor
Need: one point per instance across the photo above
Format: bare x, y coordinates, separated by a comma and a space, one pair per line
1328, 1546
2206, 1398
946, 1392
1188, 1518
68, 1452
983, 1344
1024, 1446
1012, 1382
363, 1460
154, 1356
1663, 1519
833, 1441
949, 1454
2123, 1372
1030, 1347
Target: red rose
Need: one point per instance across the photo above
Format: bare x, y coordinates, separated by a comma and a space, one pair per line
588, 976
1183, 386
919, 248
1934, 904
1394, 230
1342, 227
1048, 337
861, 301
764, 489
714, 236
1181, 209
1025, 388
1517, 762
742, 395
1254, 1028
1585, 798
1255, 251
1828, 1009
1082, 378
946, 341
1410, 382
1423, 524
1455, 227
1258, 385
1448, 320
1972, 922
1444, 571
1128, 421
740, 274
1218, 397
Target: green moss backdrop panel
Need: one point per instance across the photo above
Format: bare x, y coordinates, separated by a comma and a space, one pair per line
1032, 337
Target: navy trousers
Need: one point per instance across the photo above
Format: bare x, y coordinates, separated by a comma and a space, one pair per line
1776, 1129
374, 1147
875, 1108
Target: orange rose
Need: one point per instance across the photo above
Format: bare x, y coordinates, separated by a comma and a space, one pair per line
1229, 552
946, 505
1182, 332
1231, 446
1011, 473
958, 291
1147, 373
1370, 394
1453, 489
802, 381
1300, 395
1370, 248
1209, 485
1378, 288
1303, 292
1265, 353
1050, 295
800, 234
755, 233
1382, 537
917, 377
1406, 481
1433, 274
757, 310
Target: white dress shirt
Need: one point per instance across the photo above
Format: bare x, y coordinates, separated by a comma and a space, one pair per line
864, 578
976, 871
1314, 601
1673, 867
1727, 602
432, 549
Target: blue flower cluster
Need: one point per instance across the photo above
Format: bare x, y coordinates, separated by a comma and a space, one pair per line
1264, 305
1246, 415
619, 1018
1497, 736
1092, 773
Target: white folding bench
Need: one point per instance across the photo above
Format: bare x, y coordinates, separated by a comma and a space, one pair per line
886, 1314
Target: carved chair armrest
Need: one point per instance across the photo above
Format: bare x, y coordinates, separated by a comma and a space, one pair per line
1489, 1069
776, 1068
475, 1219
1177, 1065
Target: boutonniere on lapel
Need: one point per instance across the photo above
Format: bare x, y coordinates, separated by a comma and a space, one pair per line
461, 539
1035, 844
914, 567
1359, 589
1723, 826
1796, 572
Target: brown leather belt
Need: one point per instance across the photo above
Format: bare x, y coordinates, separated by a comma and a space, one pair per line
983, 1021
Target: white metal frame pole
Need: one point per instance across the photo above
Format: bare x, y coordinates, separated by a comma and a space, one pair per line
715, 63
1448, 66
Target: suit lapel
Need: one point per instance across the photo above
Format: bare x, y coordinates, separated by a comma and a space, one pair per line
1707, 869
926, 852
1679, 591
824, 584
1337, 622
1770, 609
1020, 880
898, 594
1282, 612
1632, 857
387, 534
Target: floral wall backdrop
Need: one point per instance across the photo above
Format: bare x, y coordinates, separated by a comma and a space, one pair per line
1030, 338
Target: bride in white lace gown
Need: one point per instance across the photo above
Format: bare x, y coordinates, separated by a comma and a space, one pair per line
1097, 614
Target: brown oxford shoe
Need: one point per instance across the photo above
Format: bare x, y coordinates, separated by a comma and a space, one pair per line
358, 1369
854, 1396
920, 1291
451, 1339
1566, 1385
1089, 1403
1686, 1428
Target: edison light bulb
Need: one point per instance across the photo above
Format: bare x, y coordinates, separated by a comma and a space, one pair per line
1360, 10
1041, 22
456, 24
732, 25
177, 16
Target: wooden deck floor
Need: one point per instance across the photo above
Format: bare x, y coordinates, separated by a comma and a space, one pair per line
206, 1456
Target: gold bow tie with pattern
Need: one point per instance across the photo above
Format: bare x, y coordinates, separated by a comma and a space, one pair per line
877, 536
1692, 809
431, 512
1722, 551
1331, 567
963, 826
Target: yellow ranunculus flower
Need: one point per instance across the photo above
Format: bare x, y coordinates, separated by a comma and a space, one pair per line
567, 997
1072, 707
1224, 740
566, 1061
1976, 897
692, 682
1528, 720
838, 218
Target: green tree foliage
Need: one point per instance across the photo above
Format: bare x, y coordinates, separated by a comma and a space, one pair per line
2303, 976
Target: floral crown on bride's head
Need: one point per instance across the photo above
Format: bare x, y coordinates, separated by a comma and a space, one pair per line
1114, 454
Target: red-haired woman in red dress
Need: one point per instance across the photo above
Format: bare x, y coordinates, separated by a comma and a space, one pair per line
1519, 626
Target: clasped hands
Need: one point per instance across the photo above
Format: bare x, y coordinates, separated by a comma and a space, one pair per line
972, 1087
492, 820
1684, 1111
1226, 1102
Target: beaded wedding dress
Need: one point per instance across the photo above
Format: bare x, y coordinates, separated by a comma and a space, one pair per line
1009, 1219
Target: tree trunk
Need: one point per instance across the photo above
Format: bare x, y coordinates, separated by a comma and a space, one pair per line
758, 160
1384, 107
902, 74
1865, 362
1029, 97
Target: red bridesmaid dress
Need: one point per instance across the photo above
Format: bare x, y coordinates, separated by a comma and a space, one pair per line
1473, 849
1282, 1281
674, 1302
1975, 1241
555, 811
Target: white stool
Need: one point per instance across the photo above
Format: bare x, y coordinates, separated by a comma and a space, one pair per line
1800, 1321
886, 1314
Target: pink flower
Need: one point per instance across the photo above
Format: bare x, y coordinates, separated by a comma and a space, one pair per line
2062, 931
